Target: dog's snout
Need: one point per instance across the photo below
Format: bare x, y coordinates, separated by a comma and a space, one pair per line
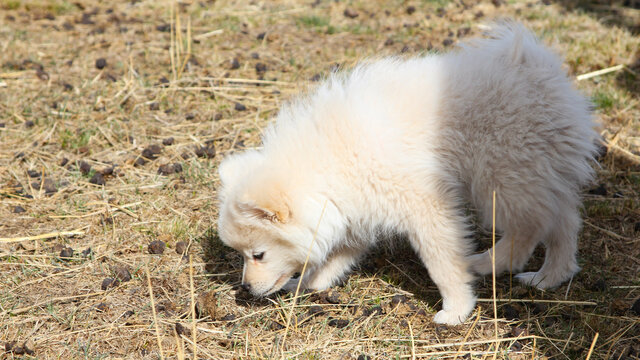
246, 286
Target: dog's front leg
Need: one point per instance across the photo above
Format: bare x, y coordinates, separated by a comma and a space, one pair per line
337, 265
438, 235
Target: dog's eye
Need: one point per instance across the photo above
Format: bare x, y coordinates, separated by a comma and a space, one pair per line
258, 256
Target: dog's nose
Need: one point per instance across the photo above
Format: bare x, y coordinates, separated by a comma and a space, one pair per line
246, 286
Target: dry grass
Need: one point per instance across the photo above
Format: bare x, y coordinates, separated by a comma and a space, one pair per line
168, 74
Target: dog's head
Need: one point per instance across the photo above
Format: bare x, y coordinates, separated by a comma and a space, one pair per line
257, 218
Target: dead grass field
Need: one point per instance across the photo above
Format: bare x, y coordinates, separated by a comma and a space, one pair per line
115, 114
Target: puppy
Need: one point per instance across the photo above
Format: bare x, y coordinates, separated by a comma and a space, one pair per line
400, 146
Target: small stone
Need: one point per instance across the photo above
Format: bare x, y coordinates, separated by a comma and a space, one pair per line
66, 253
350, 13
87, 252
207, 151
29, 124
517, 331
240, 107
18, 210
168, 141
64, 161
539, 308
635, 308
97, 179
374, 311
601, 190
57, 248
153, 106
163, 28
388, 42
122, 273
315, 310
101, 63
275, 326
447, 42
151, 152
255, 55
156, 247
181, 330
108, 283
140, 161
190, 116
261, 68
510, 313
516, 346
338, 323
102, 307
235, 64
42, 75
411, 9
261, 35
599, 285
166, 169
332, 297
107, 171
364, 357
398, 299
84, 167
228, 317
181, 247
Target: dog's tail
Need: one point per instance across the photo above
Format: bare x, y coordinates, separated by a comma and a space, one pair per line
516, 45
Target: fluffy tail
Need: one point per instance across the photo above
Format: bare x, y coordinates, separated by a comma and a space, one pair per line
516, 45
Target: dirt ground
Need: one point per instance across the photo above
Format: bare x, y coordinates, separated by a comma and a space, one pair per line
115, 114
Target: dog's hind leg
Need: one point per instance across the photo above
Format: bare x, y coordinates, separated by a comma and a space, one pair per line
560, 254
512, 253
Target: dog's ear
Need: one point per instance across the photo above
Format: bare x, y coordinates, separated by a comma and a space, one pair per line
234, 167
273, 210
265, 199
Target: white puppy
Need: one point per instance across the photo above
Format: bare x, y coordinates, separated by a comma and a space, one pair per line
400, 145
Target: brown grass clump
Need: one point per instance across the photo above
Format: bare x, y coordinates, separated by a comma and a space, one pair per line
114, 116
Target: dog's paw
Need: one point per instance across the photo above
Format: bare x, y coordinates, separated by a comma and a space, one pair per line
449, 317
534, 279
292, 285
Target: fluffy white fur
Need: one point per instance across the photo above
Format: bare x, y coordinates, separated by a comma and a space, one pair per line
401, 145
